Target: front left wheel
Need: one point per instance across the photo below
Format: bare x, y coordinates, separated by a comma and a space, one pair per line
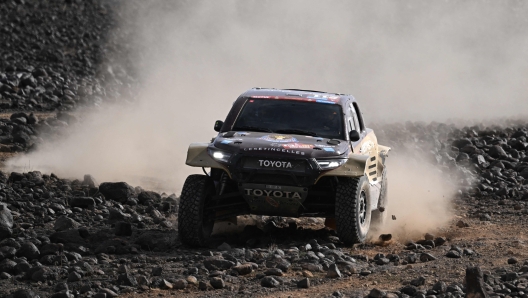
194, 223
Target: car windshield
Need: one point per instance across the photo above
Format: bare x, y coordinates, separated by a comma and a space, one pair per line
291, 116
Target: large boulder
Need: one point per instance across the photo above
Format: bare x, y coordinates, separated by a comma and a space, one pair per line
117, 191
6, 222
148, 196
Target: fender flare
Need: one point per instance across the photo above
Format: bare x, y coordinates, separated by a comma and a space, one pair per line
197, 156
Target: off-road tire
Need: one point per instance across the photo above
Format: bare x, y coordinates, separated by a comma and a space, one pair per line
380, 218
194, 229
352, 210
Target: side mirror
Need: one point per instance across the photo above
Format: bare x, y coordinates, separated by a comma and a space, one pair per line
354, 136
218, 125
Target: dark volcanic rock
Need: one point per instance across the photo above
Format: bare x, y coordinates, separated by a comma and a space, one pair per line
243, 269
90, 181
453, 254
475, 283
6, 222
269, 282
68, 236
117, 191
24, 293
65, 223
304, 283
127, 279
148, 196
497, 152
8, 266
217, 282
217, 263
409, 290
29, 251
156, 240
123, 229
82, 202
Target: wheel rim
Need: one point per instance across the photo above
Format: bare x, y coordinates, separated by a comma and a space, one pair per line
362, 209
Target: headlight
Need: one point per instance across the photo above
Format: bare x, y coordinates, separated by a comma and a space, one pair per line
218, 155
328, 164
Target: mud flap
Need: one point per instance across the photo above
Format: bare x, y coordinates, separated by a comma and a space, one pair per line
330, 223
382, 203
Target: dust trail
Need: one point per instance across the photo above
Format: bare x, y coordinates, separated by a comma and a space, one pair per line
403, 60
419, 197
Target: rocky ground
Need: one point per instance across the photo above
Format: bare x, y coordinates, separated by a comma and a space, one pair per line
72, 237
77, 238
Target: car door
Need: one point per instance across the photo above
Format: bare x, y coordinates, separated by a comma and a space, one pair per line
367, 145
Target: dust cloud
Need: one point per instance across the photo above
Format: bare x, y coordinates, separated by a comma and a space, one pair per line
403, 60
419, 198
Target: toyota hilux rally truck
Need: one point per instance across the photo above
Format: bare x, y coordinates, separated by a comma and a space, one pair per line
292, 153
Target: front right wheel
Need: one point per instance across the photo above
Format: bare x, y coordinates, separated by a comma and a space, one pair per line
194, 222
353, 210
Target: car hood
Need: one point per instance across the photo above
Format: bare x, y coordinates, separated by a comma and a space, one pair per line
281, 145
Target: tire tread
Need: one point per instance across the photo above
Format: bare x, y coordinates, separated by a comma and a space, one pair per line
191, 210
347, 194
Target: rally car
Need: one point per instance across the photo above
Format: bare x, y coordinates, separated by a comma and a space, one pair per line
292, 153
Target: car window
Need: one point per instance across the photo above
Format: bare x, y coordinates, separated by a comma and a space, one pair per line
355, 117
359, 117
322, 119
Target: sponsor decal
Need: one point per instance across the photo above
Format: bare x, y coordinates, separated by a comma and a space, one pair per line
365, 148
275, 150
279, 138
274, 186
329, 149
272, 193
284, 98
297, 146
275, 164
325, 101
229, 141
325, 98
331, 99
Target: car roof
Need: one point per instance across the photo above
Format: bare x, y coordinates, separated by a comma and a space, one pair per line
309, 95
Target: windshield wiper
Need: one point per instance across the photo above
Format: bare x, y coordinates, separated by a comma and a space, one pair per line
252, 128
298, 131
